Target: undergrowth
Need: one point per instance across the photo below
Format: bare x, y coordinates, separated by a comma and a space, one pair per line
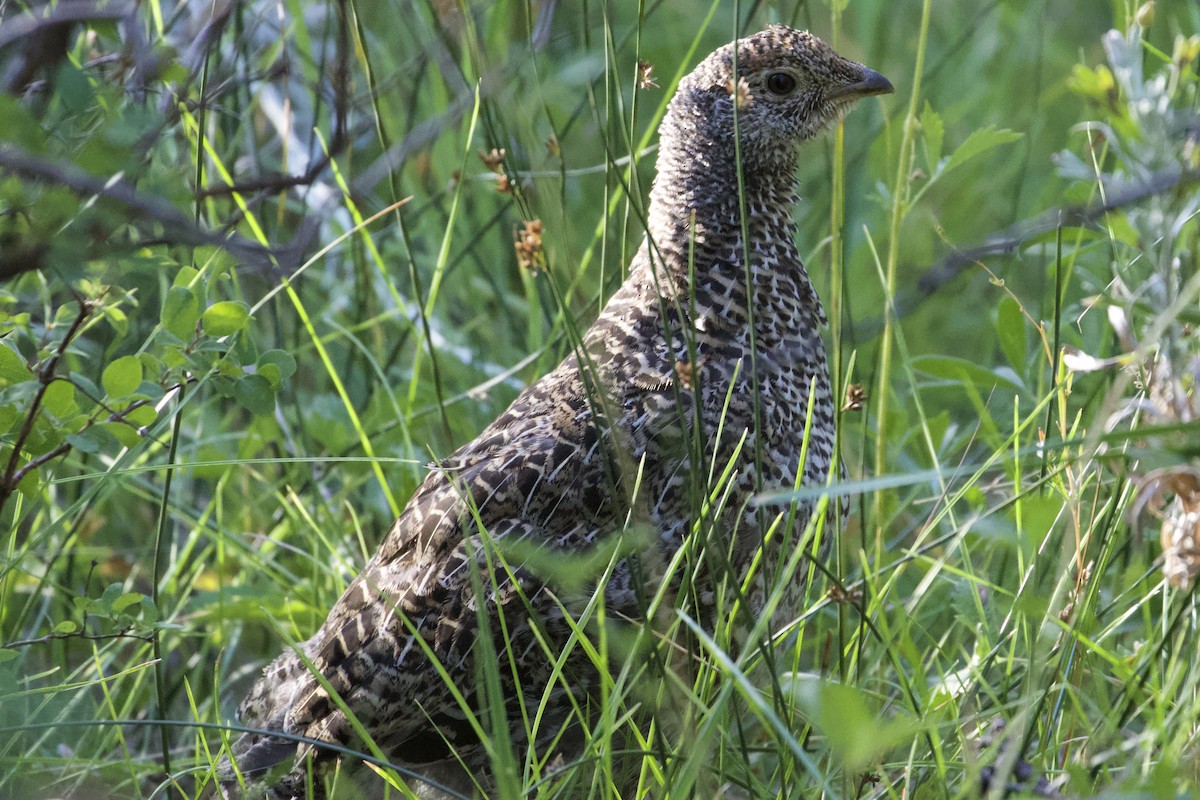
218, 384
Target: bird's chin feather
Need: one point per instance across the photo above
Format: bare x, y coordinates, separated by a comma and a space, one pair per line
832, 112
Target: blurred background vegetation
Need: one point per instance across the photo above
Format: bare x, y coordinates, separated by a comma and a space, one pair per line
261, 262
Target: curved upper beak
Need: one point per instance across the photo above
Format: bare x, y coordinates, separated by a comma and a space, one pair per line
872, 83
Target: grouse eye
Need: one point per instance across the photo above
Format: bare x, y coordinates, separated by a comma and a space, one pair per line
780, 83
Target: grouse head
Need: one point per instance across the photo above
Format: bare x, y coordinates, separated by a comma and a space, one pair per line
789, 86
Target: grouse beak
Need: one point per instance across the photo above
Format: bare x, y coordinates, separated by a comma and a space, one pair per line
871, 83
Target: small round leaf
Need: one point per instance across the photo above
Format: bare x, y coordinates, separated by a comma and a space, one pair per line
225, 318
122, 377
180, 311
12, 367
254, 392
59, 399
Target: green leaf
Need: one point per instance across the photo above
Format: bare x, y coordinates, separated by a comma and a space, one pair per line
59, 399
9, 418
8, 654
149, 610
225, 318
980, 141
142, 416
20, 127
73, 89
271, 373
184, 277
119, 321
28, 486
1010, 327
281, 359
934, 133
964, 371
67, 626
122, 377
228, 368
254, 393
214, 260
123, 433
110, 595
92, 439
13, 369
1120, 229
85, 384
44, 437
125, 601
181, 310
856, 733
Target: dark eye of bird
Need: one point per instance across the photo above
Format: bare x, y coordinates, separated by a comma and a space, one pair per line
780, 83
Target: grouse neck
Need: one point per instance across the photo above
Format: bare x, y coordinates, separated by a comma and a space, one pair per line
695, 206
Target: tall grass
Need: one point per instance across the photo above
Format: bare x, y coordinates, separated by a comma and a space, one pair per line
990, 569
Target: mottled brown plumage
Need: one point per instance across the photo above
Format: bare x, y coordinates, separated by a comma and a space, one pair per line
698, 361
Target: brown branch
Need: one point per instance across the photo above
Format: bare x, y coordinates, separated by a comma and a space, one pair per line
1011, 240
62, 13
273, 182
64, 447
45, 376
177, 228
91, 637
337, 143
14, 474
194, 57
46, 36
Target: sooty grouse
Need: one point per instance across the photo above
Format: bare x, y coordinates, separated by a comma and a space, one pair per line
699, 366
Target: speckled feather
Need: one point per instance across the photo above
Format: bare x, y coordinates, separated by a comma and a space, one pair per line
676, 357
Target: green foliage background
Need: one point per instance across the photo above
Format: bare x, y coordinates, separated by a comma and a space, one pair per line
217, 387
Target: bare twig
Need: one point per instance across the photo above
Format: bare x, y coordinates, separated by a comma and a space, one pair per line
64, 447
61, 13
46, 36
1012, 239
45, 376
176, 227
91, 637
193, 58
337, 143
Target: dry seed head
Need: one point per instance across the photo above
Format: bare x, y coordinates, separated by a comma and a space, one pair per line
1145, 15
527, 242
1180, 537
842, 596
741, 96
686, 373
493, 159
646, 75
856, 396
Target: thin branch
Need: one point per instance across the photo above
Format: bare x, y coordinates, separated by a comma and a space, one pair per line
45, 376
64, 447
337, 143
1012, 239
91, 637
192, 59
62, 13
176, 227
